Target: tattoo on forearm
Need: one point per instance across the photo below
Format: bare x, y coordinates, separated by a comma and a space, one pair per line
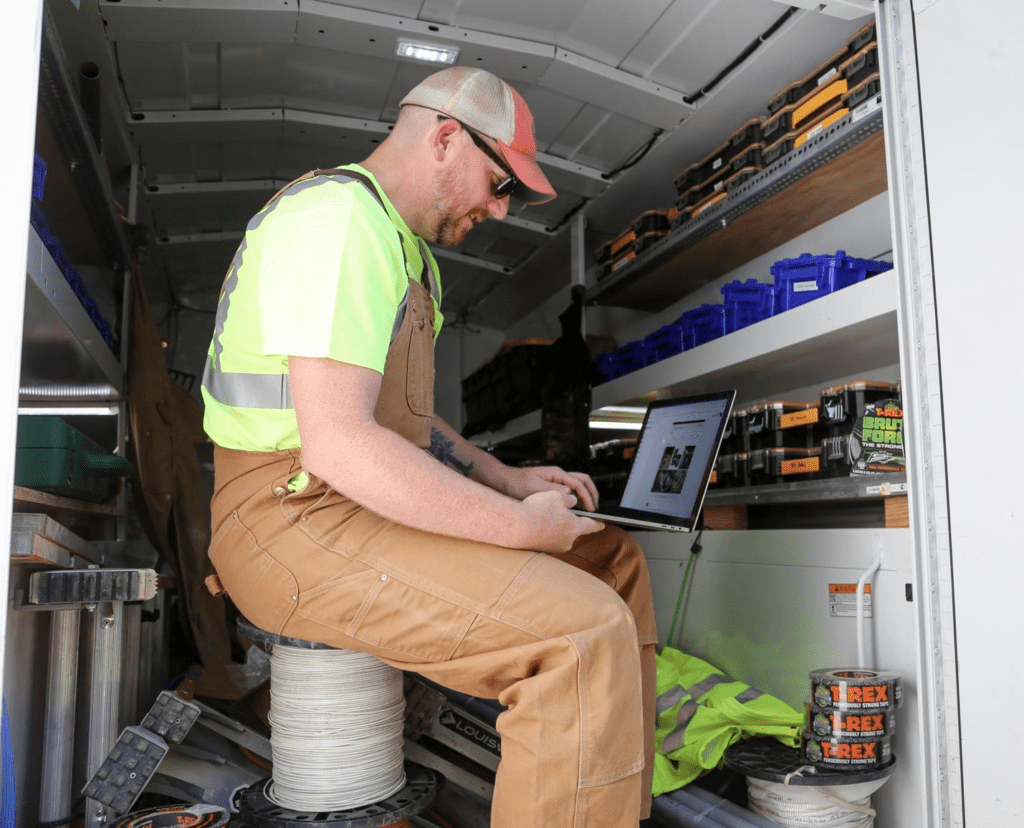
444, 450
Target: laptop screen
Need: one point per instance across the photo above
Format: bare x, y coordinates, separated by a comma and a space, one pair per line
675, 455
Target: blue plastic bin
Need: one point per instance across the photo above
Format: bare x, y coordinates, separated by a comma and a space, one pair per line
38, 177
71, 275
664, 343
801, 280
621, 361
747, 302
702, 325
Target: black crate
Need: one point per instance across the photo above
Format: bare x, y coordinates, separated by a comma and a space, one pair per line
836, 459
732, 437
868, 88
731, 470
608, 268
636, 246
699, 199
779, 424
507, 386
651, 221
740, 178
783, 146
822, 77
751, 157
821, 121
861, 66
716, 164
863, 37
842, 405
784, 465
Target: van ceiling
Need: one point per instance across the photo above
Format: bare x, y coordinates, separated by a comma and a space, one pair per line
220, 102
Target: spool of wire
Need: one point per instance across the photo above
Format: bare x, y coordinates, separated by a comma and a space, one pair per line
337, 719
811, 807
784, 788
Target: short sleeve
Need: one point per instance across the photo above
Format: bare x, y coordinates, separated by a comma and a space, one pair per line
330, 276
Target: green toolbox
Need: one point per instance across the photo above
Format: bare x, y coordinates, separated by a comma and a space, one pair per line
56, 458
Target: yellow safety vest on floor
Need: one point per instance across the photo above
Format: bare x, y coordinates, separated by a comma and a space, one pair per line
701, 711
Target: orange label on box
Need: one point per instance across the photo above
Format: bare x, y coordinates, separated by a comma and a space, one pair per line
804, 465
847, 589
795, 418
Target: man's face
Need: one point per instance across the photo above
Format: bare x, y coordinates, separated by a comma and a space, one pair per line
464, 195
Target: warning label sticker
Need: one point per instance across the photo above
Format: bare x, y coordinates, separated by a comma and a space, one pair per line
842, 600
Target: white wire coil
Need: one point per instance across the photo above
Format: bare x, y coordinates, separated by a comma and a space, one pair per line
799, 806
336, 721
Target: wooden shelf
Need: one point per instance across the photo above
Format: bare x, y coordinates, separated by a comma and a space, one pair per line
28, 500
824, 178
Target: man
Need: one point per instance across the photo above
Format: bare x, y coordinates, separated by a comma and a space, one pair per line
333, 519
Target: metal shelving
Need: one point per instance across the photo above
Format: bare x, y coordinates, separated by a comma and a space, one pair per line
804, 491
847, 332
62, 346
829, 174
59, 102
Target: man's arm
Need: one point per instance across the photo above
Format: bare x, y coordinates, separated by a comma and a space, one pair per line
452, 449
343, 444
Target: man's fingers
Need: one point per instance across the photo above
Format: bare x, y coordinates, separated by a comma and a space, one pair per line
585, 489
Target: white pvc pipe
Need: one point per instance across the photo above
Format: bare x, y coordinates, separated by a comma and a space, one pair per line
861, 644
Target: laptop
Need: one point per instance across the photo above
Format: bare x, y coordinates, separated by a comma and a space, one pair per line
675, 455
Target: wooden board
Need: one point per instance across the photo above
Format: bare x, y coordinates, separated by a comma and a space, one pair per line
24, 499
897, 512
732, 516
848, 180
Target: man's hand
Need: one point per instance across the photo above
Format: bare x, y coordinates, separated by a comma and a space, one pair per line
551, 526
523, 482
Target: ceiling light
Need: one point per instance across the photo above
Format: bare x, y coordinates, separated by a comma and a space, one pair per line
616, 424
67, 410
426, 53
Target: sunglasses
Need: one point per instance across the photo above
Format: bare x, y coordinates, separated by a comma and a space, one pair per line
504, 188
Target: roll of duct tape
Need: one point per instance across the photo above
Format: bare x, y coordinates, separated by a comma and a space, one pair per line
829, 723
174, 816
847, 753
856, 689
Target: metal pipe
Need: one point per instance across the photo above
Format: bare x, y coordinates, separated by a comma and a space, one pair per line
59, 729
131, 641
90, 96
693, 807
746, 818
92, 392
107, 625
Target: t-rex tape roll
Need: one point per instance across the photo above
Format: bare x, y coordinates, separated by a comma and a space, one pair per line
830, 723
849, 754
856, 689
174, 816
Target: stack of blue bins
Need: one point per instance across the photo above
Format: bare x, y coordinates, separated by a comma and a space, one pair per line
805, 278
747, 302
60, 257
797, 282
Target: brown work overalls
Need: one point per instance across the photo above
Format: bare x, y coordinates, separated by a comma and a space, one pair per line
565, 641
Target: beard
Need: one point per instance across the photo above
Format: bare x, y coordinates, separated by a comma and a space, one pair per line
446, 230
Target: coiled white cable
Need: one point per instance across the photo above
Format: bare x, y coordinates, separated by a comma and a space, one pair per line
336, 719
808, 806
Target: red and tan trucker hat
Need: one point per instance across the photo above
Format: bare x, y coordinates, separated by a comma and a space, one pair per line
487, 104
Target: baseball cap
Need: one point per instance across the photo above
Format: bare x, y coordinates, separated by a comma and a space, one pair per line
490, 106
